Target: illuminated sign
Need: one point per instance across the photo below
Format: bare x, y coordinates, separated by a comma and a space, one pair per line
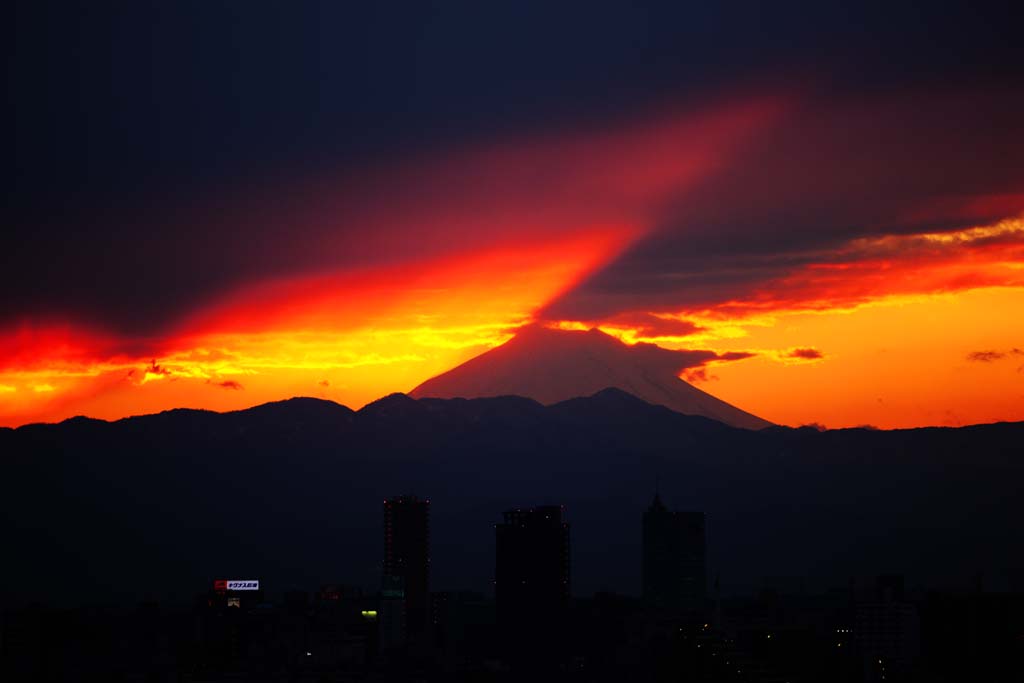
236, 585
370, 613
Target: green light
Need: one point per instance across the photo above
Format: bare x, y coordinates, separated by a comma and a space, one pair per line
370, 613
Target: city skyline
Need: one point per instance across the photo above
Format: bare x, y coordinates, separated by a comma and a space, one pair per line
533, 628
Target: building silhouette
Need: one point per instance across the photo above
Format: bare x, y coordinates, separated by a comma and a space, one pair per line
674, 558
532, 585
888, 632
405, 583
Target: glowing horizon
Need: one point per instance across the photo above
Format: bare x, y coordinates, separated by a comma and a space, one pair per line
465, 249
460, 315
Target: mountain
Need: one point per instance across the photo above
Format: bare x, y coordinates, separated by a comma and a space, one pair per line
157, 506
554, 365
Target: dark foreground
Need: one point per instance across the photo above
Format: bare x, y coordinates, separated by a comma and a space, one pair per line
857, 634
114, 533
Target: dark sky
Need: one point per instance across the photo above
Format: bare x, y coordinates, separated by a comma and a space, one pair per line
140, 128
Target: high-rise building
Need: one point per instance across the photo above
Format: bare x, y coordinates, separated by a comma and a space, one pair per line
888, 632
674, 558
532, 584
407, 560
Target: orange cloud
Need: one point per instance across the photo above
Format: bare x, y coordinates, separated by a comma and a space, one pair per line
449, 257
359, 284
897, 313
370, 333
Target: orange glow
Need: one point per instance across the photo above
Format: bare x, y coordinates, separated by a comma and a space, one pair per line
895, 331
351, 338
454, 254
903, 361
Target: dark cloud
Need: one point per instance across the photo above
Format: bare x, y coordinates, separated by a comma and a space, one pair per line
147, 178
806, 354
649, 356
227, 384
647, 325
990, 355
835, 170
676, 361
700, 374
156, 369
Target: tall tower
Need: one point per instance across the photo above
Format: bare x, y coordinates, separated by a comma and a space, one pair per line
407, 559
674, 558
531, 586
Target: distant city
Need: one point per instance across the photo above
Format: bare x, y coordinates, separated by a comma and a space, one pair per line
533, 627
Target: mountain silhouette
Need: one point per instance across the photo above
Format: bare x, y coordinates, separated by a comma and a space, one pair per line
550, 365
157, 506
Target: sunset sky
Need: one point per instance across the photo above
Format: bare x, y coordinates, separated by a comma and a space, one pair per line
216, 205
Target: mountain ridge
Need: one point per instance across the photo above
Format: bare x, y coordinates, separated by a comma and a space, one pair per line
290, 493
551, 366
347, 411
